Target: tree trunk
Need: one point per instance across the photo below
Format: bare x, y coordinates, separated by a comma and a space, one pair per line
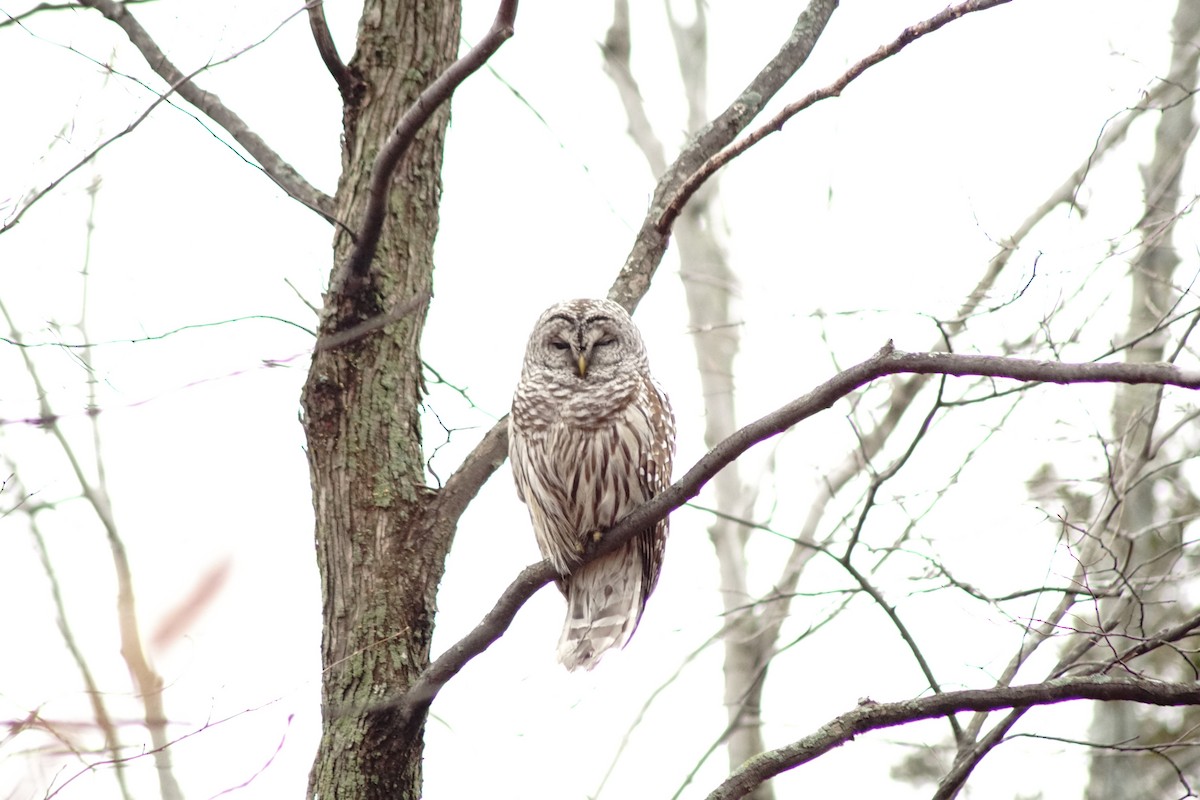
1142, 518
379, 574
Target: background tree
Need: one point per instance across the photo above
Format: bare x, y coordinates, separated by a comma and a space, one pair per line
874, 548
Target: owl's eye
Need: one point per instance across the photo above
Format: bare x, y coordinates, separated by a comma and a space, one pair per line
560, 345
606, 342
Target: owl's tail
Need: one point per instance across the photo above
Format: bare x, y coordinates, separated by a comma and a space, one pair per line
604, 605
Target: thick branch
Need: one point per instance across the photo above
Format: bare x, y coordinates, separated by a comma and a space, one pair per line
888, 361
406, 129
910, 34
279, 170
872, 716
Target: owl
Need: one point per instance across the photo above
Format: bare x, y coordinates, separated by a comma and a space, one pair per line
591, 437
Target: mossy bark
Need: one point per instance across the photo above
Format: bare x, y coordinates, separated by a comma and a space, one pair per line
361, 416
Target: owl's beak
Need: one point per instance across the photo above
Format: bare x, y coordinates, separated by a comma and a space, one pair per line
583, 365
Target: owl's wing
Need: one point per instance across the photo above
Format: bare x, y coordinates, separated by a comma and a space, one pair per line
656, 457
517, 458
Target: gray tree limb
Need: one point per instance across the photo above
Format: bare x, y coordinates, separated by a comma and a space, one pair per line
414, 704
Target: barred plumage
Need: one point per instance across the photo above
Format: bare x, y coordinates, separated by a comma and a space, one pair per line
591, 437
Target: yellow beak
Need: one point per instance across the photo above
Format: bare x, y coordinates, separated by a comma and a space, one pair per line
583, 365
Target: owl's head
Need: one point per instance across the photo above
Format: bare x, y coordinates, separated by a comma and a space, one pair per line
589, 341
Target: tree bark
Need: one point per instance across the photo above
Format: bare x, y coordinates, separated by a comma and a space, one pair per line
379, 573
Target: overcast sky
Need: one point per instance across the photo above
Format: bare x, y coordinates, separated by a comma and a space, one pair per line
868, 214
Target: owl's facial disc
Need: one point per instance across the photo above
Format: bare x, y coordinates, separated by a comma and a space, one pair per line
596, 344
586, 342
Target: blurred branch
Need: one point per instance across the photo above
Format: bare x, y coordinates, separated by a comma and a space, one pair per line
279, 170
148, 683
413, 705
347, 82
371, 226
909, 35
871, 716
618, 45
112, 743
1132, 528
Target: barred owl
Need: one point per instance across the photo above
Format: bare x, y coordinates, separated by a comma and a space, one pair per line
591, 437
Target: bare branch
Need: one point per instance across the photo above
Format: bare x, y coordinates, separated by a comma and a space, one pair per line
902, 629
90, 156
279, 170
871, 716
651, 242
95, 151
438, 92
347, 81
413, 705
910, 34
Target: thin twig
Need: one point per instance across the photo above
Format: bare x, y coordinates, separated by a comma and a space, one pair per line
279, 170
910, 34
183, 86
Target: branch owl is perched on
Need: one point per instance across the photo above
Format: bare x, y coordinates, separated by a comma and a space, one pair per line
591, 437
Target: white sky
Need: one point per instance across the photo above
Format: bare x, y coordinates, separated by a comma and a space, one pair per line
885, 201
